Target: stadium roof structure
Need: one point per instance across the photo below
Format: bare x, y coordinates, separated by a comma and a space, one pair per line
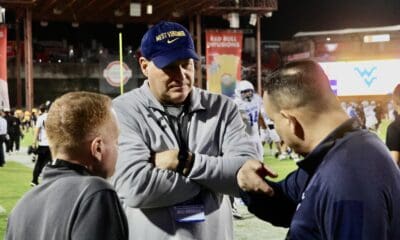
130, 11
394, 28
120, 11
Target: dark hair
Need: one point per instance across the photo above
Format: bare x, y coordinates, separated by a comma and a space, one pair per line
45, 106
42, 107
297, 84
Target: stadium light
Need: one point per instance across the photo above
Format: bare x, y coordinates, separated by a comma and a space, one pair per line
118, 12
57, 11
135, 9
253, 19
331, 47
149, 9
2, 15
268, 14
377, 38
44, 23
234, 21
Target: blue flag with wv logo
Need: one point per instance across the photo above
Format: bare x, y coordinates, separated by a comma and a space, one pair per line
367, 74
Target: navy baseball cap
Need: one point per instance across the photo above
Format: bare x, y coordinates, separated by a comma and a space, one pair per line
166, 43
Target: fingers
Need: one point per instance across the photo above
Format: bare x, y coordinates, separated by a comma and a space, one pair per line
264, 171
251, 176
167, 159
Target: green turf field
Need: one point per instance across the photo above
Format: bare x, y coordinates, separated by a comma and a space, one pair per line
28, 138
15, 179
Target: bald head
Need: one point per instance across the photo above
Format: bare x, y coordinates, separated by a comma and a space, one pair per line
300, 84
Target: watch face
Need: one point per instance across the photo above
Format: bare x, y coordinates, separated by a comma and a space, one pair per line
182, 157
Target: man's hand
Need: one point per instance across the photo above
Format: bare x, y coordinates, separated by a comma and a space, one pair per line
167, 160
251, 176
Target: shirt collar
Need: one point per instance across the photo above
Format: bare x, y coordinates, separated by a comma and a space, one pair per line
195, 99
311, 162
59, 163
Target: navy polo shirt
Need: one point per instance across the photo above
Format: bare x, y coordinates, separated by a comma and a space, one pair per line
348, 187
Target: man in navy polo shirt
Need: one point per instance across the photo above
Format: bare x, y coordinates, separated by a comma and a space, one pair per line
346, 187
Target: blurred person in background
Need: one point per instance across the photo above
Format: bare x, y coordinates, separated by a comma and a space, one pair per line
390, 108
379, 114
14, 131
360, 113
270, 136
40, 142
351, 110
74, 201
34, 115
250, 104
370, 115
393, 130
26, 121
3, 137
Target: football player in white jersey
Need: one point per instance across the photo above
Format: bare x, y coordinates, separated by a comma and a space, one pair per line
250, 106
370, 115
270, 136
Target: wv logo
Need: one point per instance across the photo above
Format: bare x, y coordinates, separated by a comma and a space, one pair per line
366, 75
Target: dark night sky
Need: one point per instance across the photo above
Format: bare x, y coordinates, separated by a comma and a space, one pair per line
319, 15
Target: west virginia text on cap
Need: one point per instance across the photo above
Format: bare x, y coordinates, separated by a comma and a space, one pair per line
166, 43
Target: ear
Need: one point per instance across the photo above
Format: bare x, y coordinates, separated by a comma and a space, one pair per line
96, 148
293, 123
144, 64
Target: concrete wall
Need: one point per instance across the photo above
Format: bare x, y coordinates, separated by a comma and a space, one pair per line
54, 79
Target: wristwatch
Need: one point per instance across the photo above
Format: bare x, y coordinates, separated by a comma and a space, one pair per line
182, 158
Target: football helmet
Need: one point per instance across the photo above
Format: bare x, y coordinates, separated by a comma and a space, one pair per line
245, 90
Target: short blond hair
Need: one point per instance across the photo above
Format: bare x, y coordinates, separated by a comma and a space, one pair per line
73, 118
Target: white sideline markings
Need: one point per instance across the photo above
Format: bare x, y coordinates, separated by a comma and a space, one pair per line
2, 210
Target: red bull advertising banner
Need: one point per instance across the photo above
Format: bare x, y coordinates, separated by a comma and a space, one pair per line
4, 101
223, 60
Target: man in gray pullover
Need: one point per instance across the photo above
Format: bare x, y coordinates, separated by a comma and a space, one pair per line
180, 146
74, 201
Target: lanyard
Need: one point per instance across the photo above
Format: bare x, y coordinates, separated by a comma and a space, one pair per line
182, 122
180, 132
180, 137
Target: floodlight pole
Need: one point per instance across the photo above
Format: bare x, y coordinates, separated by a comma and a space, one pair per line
18, 62
28, 59
258, 48
121, 68
199, 76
